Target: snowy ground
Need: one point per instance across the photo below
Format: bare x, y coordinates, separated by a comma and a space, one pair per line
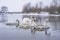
13, 33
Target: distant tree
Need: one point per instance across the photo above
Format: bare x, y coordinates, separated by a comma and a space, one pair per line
46, 9
54, 2
4, 9
53, 7
27, 8
58, 9
3, 12
40, 7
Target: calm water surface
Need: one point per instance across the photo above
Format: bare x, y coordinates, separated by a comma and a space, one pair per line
14, 33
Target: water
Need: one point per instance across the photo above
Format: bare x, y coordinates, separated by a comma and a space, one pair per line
15, 33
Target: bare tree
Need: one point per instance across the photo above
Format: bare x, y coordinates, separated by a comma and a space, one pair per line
27, 8
4, 9
53, 7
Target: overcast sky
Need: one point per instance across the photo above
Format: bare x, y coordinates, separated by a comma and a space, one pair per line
17, 5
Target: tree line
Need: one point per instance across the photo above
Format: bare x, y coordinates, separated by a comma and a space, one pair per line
52, 9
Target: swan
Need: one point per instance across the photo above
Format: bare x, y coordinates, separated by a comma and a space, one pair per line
25, 22
28, 22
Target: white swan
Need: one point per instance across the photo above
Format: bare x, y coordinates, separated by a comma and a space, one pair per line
25, 22
28, 22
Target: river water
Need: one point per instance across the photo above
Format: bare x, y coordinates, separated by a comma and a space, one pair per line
15, 33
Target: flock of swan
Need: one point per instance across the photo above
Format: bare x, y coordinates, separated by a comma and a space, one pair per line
29, 23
